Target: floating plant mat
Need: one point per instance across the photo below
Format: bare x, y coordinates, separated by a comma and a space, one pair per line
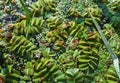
58, 41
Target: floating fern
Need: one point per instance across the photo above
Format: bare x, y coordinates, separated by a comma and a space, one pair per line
20, 45
40, 7
35, 27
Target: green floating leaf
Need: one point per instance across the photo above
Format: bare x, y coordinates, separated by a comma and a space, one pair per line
29, 65
28, 71
26, 78
46, 52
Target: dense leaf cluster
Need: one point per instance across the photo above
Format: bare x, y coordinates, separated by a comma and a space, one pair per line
59, 42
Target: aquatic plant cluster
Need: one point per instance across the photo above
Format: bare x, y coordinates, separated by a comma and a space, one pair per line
56, 41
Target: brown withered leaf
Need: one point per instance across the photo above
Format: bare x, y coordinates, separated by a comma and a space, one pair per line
2, 79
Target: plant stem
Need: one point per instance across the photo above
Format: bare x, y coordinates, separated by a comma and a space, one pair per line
113, 55
27, 17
